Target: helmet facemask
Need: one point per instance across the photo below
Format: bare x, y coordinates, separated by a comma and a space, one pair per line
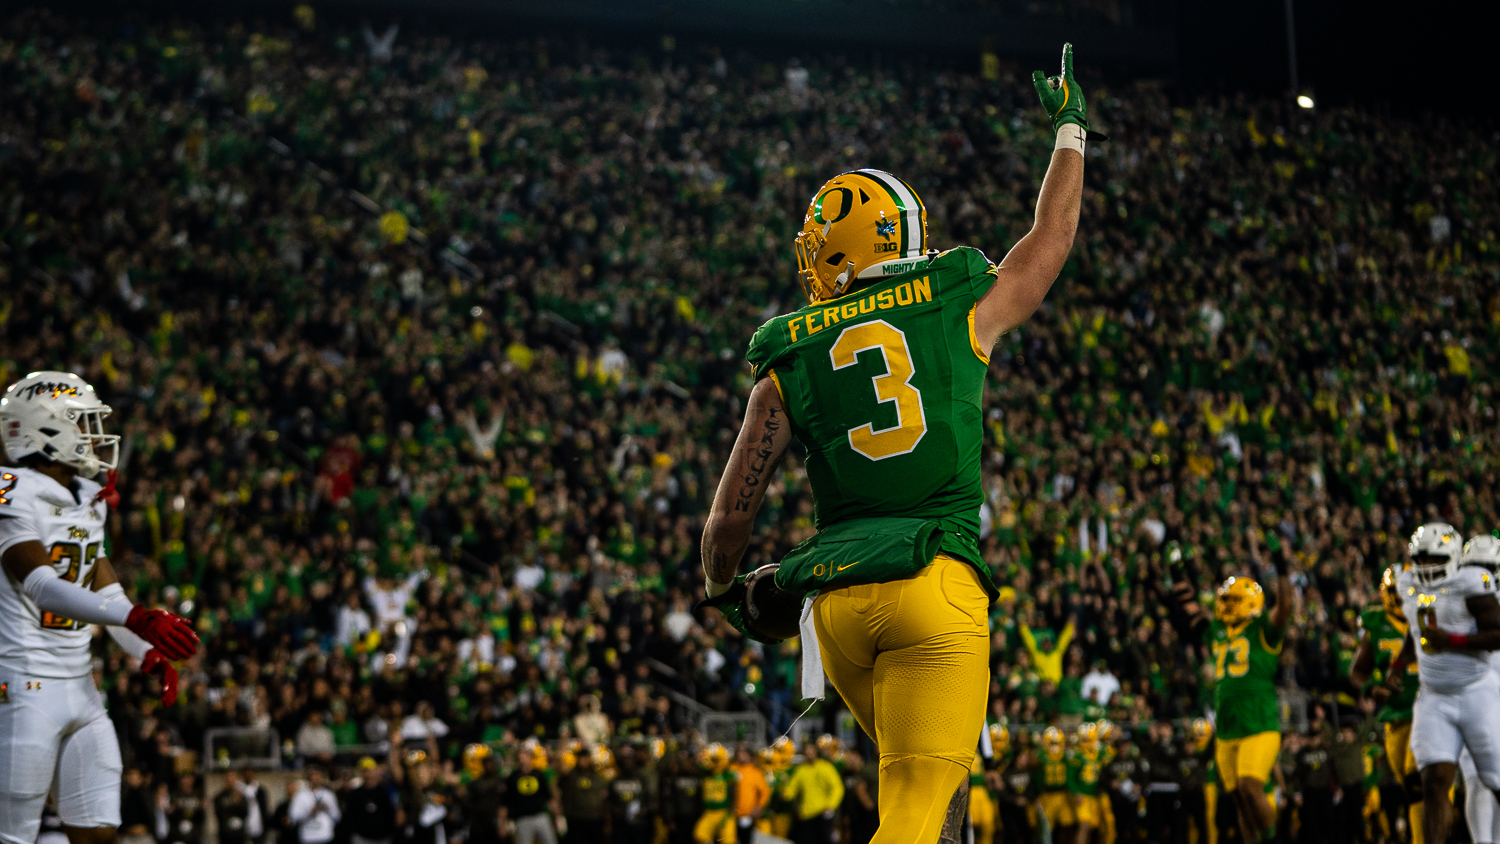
1430, 568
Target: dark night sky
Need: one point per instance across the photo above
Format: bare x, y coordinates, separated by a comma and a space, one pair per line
1433, 57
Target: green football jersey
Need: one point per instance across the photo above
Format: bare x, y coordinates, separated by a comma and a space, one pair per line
1245, 662
1387, 639
1054, 772
1083, 770
883, 387
718, 790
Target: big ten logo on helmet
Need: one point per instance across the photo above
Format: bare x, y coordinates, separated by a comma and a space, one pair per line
913, 292
882, 248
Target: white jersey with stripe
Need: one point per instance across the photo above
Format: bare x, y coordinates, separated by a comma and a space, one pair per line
1444, 604
69, 524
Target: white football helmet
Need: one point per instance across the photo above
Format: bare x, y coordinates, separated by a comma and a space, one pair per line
1434, 551
1484, 551
57, 415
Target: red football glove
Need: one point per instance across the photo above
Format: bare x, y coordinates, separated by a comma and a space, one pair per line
173, 634
161, 668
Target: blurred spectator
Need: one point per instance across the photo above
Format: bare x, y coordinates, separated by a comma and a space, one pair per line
370, 806
315, 741
137, 814
314, 811
816, 790
590, 725
232, 810
1099, 685
752, 794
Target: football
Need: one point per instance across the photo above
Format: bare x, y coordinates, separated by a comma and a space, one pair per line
771, 611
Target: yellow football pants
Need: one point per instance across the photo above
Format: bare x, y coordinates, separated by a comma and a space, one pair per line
715, 825
982, 814
1211, 813
1404, 765
911, 660
1058, 807
1107, 834
1251, 757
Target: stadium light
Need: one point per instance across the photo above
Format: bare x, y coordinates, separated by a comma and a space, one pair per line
1305, 101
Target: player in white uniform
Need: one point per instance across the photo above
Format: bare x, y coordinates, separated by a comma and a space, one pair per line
1455, 624
1480, 805
54, 733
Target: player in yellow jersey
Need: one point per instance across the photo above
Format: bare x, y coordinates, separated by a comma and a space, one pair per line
1085, 765
716, 824
1056, 800
881, 378
1382, 632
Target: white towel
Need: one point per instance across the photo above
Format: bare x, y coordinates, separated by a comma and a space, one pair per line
812, 655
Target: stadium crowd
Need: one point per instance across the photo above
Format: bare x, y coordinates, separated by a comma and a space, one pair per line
427, 352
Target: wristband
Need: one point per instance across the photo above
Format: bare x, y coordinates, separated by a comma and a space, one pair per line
1070, 136
1458, 640
713, 588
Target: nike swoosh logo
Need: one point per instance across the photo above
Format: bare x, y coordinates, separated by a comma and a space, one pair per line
851, 565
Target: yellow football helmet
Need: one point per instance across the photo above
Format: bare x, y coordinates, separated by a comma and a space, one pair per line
474, 756
1106, 731
715, 758
1239, 600
783, 750
999, 738
533, 749
656, 748
1053, 741
1202, 733
862, 224
604, 758
1088, 735
1391, 598
828, 746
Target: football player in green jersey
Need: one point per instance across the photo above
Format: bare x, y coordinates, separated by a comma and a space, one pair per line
880, 377
1246, 645
1382, 631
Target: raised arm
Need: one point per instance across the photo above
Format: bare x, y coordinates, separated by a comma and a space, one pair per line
1028, 270
763, 440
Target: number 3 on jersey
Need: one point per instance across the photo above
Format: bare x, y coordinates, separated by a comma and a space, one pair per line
894, 386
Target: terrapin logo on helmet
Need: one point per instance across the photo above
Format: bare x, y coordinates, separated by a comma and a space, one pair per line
863, 224
1434, 551
1483, 551
1390, 598
1239, 600
57, 415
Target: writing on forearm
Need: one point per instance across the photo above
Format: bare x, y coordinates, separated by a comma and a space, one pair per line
763, 450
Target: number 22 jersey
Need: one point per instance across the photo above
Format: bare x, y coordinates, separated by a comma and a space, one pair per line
883, 388
70, 526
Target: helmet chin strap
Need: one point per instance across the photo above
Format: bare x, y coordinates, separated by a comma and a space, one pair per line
841, 283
